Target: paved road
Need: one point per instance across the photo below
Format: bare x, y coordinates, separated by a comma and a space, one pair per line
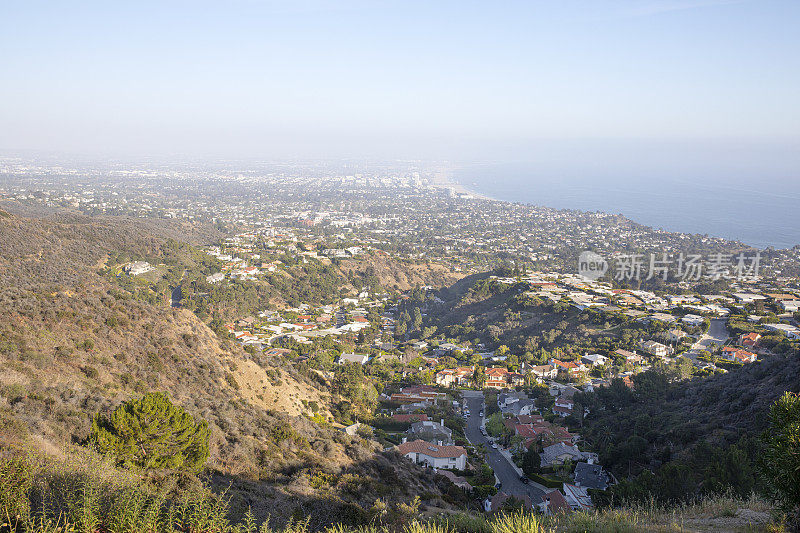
717, 334
502, 468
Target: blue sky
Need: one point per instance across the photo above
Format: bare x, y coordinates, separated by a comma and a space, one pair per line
434, 79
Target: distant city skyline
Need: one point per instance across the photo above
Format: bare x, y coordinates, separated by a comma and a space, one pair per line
432, 80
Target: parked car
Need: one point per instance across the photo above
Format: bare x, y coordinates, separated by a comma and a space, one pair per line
524, 479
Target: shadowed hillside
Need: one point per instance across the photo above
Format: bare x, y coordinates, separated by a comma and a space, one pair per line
72, 345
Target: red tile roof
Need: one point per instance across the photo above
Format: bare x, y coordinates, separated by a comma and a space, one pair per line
431, 450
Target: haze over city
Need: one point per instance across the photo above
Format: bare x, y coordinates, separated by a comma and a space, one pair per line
699, 80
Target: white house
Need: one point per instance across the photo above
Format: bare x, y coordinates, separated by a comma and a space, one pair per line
692, 320
138, 267
791, 332
421, 452
675, 335
352, 358
790, 306
594, 359
656, 348
215, 278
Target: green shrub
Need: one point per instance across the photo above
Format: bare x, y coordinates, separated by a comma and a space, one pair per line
152, 433
781, 458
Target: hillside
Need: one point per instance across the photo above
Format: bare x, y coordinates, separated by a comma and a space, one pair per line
482, 310
393, 274
73, 344
680, 439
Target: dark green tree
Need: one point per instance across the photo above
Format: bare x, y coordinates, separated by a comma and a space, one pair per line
781, 457
531, 461
151, 432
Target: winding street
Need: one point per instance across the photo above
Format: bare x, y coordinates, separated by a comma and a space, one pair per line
717, 334
503, 469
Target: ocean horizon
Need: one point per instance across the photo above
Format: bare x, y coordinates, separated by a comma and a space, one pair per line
762, 214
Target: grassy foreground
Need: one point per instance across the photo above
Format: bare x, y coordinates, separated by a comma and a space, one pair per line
42, 495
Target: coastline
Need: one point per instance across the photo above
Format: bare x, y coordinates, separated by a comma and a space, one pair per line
778, 238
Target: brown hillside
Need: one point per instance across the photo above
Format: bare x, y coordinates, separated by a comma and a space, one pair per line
72, 345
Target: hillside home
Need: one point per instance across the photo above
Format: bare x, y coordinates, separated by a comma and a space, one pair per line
692, 320
425, 453
577, 497
656, 348
675, 335
736, 354
591, 476
345, 358
495, 503
430, 431
790, 306
138, 267
594, 359
558, 453
554, 503
792, 332
632, 358
749, 340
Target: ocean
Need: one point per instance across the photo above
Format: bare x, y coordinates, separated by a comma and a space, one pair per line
761, 213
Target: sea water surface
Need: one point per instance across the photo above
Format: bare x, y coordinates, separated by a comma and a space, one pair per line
761, 213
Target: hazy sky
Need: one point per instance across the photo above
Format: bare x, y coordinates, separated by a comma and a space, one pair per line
429, 79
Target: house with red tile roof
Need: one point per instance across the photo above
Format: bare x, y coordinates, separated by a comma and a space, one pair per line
737, 354
554, 503
495, 503
749, 340
425, 453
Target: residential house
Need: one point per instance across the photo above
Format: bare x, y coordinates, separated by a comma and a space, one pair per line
656, 348
737, 354
632, 358
790, 306
522, 407
577, 497
591, 476
563, 406
496, 378
215, 278
554, 503
568, 367
458, 481
543, 372
496, 502
594, 359
791, 332
749, 340
138, 267
360, 359
413, 417
662, 317
418, 345
692, 320
450, 377
430, 431
505, 400
559, 453
675, 335
425, 453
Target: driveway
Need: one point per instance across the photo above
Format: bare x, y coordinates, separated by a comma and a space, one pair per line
503, 469
717, 334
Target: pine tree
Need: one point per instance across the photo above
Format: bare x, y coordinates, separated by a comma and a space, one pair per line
152, 433
781, 457
531, 461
